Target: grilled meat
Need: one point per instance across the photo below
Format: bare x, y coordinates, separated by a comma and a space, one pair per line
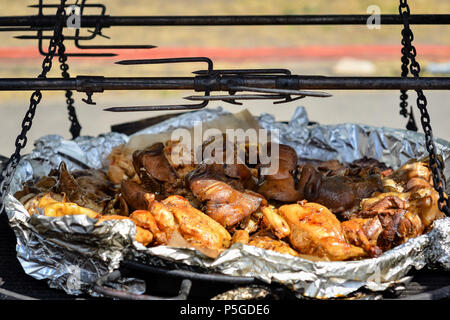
233, 170
316, 231
273, 221
223, 203
340, 194
87, 188
155, 171
241, 236
398, 222
281, 185
196, 227
269, 243
120, 166
364, 233
414, 181
134, 195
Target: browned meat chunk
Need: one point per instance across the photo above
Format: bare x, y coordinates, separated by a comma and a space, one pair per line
224, 204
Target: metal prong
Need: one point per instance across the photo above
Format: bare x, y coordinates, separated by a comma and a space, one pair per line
158, 108
99, 34
95, 47
236, 97
231, 101
246, 71
284, 91
168, 60
289, 99
27, 37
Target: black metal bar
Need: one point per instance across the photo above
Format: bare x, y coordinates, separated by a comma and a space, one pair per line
224, 83
106, 21
194, 276
100, 287
170, 60
245, 71
273, 20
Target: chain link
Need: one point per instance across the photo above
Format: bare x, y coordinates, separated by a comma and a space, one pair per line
35, 99
408, 37
75, 126
436, 165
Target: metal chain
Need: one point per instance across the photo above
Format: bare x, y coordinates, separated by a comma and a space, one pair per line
75, 126
407, 37
36, 96
435, 164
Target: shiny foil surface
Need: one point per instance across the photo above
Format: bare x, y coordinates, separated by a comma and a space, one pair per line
71, 252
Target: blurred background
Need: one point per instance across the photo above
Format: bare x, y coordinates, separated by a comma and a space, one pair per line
305, 50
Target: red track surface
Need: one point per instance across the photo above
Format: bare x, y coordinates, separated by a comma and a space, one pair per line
257, 54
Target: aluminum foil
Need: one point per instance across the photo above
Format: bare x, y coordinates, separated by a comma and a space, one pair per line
72, 252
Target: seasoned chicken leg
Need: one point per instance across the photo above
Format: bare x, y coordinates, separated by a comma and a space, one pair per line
316, 231
195, 226
275, 222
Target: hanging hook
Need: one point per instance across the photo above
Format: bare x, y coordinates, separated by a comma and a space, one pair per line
89, 98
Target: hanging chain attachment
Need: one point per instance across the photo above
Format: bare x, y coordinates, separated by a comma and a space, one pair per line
35, 99
436, 166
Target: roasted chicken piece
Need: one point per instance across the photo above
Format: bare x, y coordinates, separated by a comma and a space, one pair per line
164, 218
146, 220
53, 205
364, 233
274, 222
241, 236
196, 227
41, 201
59, 209
316, 231
224, 204
175, 214
268, 243
412, 169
